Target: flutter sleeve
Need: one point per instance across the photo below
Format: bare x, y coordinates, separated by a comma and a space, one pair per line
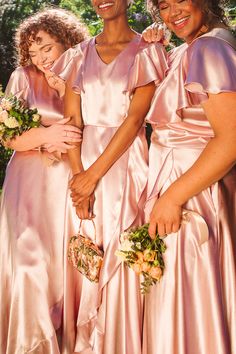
150, 64
211, 67
68, 66
18, 84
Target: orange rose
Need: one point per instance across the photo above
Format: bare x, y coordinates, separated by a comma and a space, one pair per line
149, 255
137, 268
146, 267
139, 255
156, 273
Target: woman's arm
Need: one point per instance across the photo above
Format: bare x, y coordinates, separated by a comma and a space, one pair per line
73, 110
84, 183
57, 135
215, 161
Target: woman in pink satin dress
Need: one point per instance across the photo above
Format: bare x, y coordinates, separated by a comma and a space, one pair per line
111, 77
38, 295
192, 186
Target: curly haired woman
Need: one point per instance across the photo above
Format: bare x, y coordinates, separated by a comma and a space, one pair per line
38, 294
193, 177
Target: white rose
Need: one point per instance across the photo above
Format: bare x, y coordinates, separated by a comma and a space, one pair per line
124, 236
11, 122
36, 117
6, 104
3, 116
120, 255
126, 245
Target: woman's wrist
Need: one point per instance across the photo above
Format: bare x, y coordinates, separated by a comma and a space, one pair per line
175, 195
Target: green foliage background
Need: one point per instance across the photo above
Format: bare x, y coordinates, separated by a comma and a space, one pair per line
12, 12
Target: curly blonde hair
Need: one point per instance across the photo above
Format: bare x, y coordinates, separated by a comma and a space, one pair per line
213, 11
62, 25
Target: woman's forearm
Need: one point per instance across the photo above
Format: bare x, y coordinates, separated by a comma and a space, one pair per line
216, 160
29, 140
75, 160
120, 142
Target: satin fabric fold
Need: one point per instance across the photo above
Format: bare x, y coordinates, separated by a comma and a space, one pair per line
193, 308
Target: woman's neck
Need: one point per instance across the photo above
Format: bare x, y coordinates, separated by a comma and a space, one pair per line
116, 31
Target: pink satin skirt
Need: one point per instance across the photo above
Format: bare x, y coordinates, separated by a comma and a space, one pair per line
39, 292
193, 308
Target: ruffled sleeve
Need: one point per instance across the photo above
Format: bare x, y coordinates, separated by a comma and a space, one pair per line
150, 64
68, 66
18, 84
211, 66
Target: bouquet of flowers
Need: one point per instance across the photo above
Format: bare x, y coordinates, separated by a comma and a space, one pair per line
143, 255
15, 118
85, 256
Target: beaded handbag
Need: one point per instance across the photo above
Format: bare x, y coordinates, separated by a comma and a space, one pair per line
85, 255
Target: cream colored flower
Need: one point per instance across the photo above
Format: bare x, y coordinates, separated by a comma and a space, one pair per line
120, 255
11, 122
36, 117
6, 104
3, 116
126, 245
124, 236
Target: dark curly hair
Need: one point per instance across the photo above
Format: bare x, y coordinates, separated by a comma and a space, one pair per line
213, 11
64, 26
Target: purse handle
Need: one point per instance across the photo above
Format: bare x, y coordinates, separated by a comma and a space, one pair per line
80, 224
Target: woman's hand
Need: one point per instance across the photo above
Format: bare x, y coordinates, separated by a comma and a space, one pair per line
61, 134
55, 82
157, 33
84, 210
153, 33
82, 186
165, 217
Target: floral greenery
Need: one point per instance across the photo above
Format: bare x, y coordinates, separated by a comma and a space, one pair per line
143, 254
15, 118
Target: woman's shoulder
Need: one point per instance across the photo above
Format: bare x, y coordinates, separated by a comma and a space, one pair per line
216, 41
144, 46
19, 79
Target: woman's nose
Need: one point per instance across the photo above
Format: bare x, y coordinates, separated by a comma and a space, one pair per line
175, 10
42, 58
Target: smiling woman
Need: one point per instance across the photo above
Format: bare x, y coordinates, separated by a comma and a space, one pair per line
192, 186
38, 293
110, 83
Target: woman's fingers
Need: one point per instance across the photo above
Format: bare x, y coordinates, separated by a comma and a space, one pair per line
165, 217
72, 128
154, 33
83, 210
152, 230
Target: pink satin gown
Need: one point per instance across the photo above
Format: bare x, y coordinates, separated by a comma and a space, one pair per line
110, 316
38, 294
193, 308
